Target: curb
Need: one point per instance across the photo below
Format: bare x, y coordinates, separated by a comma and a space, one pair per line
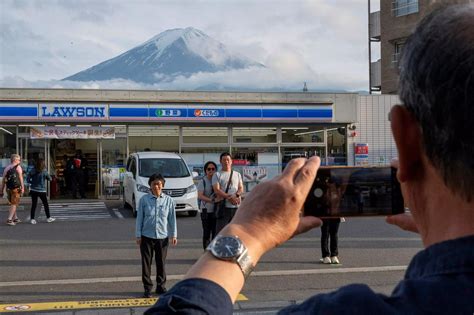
243, 307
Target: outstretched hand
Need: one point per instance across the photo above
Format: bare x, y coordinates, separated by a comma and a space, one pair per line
271, 213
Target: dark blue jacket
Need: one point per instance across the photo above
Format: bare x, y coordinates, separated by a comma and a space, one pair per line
37, 180
439, 280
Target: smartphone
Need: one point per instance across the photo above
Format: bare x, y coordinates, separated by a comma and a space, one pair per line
354, 191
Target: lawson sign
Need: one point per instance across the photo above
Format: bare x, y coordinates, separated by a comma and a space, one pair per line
76, 111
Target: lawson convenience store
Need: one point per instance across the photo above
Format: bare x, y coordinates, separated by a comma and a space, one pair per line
263, 131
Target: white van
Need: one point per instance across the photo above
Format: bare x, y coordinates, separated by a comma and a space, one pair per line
179, 180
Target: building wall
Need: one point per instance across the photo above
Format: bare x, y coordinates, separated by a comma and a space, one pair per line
393, 29
373, 127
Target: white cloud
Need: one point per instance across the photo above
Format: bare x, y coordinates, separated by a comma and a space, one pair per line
320, 42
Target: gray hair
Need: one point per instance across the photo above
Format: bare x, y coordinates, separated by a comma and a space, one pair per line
15, 156
437, 86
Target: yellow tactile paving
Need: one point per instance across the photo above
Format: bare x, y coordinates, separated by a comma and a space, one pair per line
74, 305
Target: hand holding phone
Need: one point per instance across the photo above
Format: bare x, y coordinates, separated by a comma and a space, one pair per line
354, 191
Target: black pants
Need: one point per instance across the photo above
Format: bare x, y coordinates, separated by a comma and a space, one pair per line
159, 247
208, 220
225, 218
329, 230
34, 202
78, 183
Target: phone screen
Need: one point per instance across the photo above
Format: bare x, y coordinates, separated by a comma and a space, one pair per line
354, 191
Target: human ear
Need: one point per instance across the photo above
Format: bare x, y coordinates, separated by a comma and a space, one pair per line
408, 138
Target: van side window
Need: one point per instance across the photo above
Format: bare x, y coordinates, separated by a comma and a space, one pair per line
133, 167
129, 160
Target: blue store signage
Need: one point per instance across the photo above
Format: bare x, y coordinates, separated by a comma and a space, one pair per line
166, 112
54, 111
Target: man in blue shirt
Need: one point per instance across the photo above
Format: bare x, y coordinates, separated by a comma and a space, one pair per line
433, 131
155, 227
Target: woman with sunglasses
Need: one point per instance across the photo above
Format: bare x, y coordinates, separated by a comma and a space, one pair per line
207, 199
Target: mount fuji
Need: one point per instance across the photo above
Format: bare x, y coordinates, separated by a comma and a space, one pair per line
172, 53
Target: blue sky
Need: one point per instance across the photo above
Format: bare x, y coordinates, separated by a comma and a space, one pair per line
323, 43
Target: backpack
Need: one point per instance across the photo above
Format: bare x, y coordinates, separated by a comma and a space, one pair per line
12, 178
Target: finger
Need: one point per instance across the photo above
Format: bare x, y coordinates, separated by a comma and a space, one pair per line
394, 163
306, 224
292, 167
403, 221
307, 173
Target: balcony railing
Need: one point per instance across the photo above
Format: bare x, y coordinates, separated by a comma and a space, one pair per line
375, 26
375, 74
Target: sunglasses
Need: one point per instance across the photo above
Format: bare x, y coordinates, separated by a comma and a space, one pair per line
210, 169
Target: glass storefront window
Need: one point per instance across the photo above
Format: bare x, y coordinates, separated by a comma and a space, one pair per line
256, 165
7, 142
254, 135
337, 153
153, 138
197, 157
303, 134
112, 166
205, 135
289, 153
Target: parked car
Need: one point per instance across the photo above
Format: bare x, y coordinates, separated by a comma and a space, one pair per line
179, 180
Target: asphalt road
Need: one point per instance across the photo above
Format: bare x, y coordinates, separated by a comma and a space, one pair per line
85, 258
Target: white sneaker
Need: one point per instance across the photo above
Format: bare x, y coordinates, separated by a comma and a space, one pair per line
325, 260
334, 260
51, 219
33, 221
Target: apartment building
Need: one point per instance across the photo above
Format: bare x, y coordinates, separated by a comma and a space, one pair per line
391, 26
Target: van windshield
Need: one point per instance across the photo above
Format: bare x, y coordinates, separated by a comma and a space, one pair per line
165, 167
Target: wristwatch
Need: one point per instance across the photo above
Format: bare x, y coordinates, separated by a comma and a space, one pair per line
231, 248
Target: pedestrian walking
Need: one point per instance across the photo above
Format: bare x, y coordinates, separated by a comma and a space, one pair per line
37, 180
12, 180
227, 185
207, 199
155, 228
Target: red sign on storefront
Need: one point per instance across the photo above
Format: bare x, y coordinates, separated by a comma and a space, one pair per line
240, 162
361, 148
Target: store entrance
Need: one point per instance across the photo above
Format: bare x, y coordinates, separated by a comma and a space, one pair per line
75, 166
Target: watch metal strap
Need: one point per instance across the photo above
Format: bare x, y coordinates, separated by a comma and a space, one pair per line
245, 263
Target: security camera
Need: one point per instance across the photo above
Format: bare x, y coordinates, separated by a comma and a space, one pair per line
352, 127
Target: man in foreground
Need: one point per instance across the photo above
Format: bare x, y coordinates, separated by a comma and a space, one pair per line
435, 142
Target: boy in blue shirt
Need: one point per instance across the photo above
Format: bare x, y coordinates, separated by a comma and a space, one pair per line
155, 228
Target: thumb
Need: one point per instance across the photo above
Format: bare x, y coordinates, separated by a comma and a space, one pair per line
404, 221
306, 224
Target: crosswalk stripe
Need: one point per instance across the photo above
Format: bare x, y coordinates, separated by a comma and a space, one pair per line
77, 211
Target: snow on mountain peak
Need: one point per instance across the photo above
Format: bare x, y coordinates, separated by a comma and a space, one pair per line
171, 53
197, 42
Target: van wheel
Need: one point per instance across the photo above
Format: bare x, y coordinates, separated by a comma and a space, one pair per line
134, 206
192, 213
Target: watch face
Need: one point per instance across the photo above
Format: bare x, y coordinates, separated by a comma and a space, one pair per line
227, 247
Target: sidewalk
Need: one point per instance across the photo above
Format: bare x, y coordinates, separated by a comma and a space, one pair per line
245, 307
